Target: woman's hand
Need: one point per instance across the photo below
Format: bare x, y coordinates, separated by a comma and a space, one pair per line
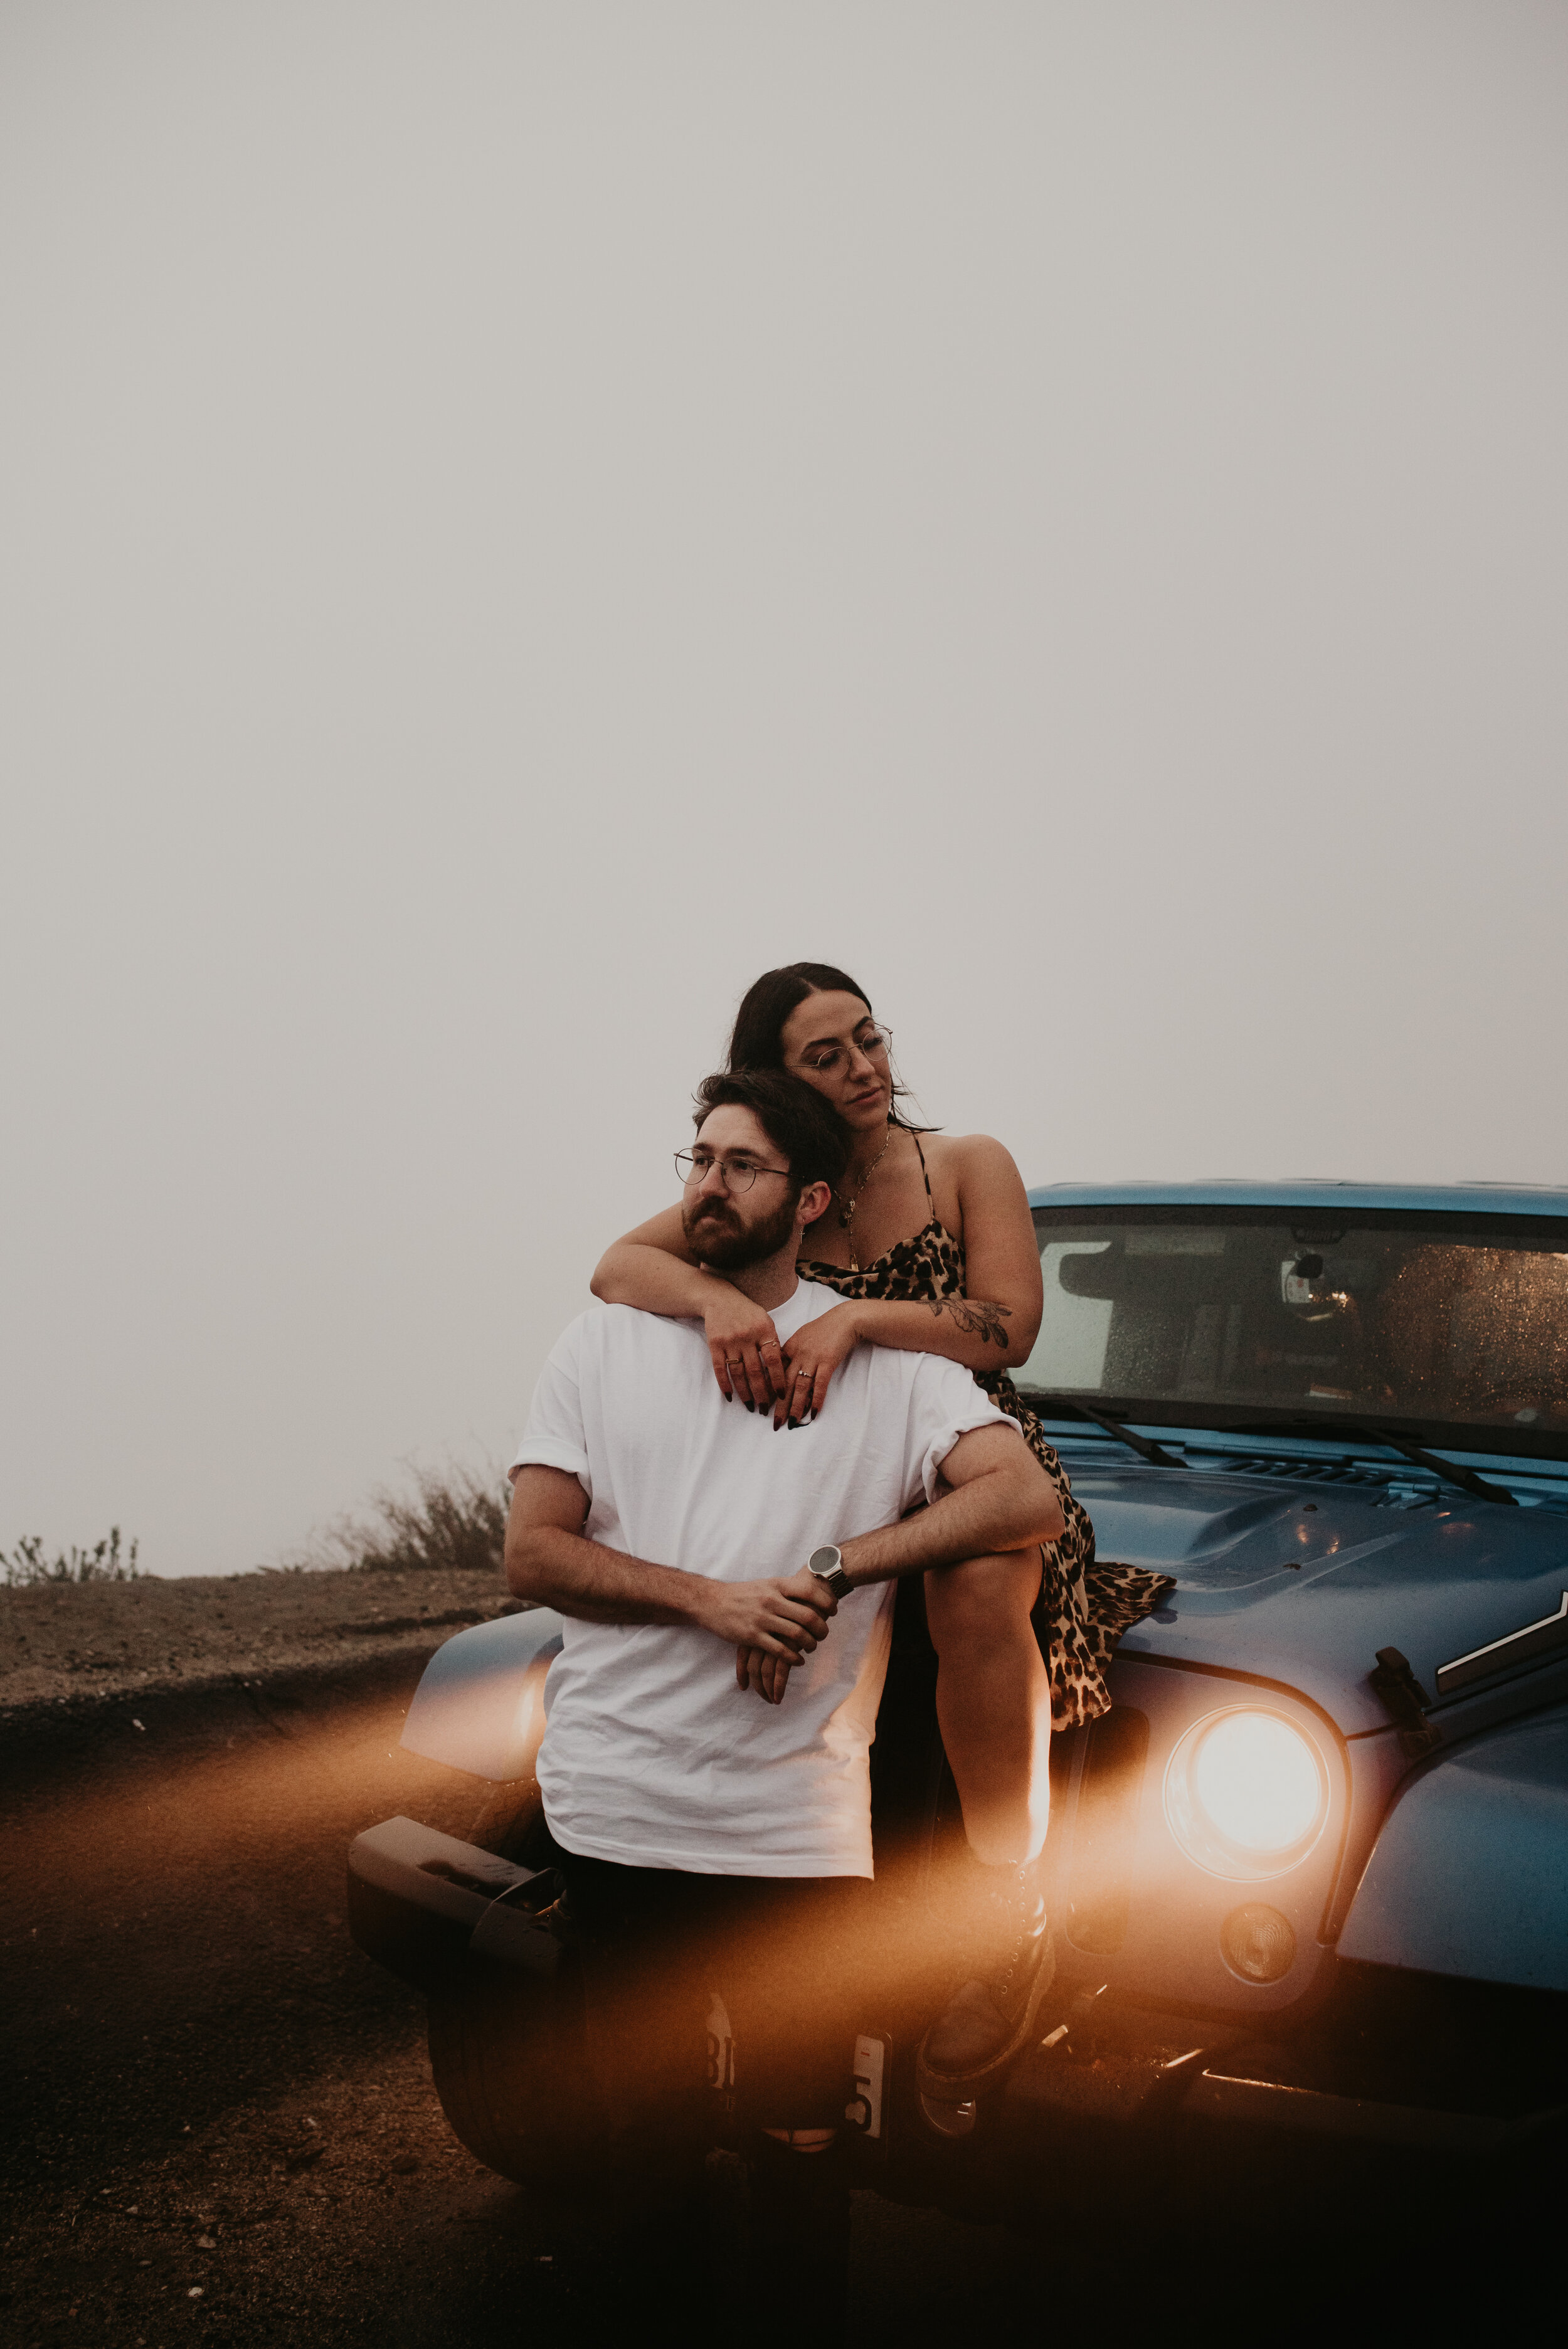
748, 1360
810, 1358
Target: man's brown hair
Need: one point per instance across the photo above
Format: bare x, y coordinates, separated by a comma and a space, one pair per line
806, 1129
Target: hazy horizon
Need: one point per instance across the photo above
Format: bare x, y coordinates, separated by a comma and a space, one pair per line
517, 519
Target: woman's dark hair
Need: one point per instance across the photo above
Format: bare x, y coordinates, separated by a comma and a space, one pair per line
757, 1040
794, 1116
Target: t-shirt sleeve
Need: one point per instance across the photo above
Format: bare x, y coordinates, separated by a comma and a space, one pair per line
554, 1436
944, 1404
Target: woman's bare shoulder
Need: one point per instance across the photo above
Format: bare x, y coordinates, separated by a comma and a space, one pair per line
969, 1157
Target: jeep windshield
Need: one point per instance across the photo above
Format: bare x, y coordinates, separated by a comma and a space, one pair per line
1447, 1328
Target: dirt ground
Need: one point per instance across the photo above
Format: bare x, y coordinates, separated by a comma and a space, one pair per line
221, 2122
220, 2117
63, 1643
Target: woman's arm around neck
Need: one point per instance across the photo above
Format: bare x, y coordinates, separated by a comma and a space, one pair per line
653, 1269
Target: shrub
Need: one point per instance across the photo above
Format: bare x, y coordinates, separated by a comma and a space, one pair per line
26, 1563
456, 1520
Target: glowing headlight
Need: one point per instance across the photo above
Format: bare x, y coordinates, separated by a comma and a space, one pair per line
1246, 1795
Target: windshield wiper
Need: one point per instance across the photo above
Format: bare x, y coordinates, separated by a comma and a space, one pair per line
1155, 1453
1464, 1477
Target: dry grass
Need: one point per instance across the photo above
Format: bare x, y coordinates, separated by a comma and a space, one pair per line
25, 1566
416, 1567
455, 1519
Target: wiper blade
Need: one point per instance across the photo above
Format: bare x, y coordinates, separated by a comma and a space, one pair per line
1466, 1478
1155, 1453
1451, 1469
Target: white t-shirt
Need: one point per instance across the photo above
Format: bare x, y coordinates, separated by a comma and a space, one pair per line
653, 1756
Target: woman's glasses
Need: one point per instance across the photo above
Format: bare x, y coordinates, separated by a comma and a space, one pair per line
832, 1060
736, 1175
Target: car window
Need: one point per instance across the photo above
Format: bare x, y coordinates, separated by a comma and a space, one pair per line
1435, 1322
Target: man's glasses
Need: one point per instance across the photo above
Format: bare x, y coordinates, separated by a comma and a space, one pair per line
737, 1174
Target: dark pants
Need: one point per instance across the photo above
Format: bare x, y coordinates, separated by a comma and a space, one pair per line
718, 2008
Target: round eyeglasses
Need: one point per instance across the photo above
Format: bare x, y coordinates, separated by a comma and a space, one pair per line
829, 1059
736, 1175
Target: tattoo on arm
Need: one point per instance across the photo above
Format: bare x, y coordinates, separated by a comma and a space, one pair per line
974, 1317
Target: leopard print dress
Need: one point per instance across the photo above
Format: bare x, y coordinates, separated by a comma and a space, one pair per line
1084, 1607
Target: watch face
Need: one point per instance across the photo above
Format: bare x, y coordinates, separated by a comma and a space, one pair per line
824, 1561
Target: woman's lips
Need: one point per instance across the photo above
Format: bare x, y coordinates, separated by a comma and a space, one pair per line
865, 1101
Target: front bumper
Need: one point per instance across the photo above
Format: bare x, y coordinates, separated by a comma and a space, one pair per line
1439, 2073
1444, 2074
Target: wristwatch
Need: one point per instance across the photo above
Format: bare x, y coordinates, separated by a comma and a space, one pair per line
828, 1564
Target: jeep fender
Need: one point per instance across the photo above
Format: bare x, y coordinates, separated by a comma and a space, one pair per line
480, 1704
1469, 1874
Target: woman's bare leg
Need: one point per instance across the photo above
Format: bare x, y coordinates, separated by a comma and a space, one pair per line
994, 1701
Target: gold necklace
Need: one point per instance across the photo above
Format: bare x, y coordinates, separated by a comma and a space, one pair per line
847, 1207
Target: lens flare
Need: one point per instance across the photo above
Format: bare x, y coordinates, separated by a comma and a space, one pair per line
1258, 1781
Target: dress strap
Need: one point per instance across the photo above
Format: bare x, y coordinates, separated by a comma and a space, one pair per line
925, 1176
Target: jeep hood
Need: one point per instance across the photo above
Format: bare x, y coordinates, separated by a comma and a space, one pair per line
1270, 1585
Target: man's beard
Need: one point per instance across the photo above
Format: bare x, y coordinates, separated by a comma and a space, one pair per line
719, 1237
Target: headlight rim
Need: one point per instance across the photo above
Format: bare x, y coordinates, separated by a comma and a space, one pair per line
1202, 1840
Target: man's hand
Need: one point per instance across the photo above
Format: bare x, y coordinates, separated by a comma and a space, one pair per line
766, 1676
764, 1671
550, 1561
781, 1618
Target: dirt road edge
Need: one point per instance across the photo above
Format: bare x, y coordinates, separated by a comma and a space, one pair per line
53, 1734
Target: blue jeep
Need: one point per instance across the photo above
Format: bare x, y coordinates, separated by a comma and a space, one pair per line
1310, 1873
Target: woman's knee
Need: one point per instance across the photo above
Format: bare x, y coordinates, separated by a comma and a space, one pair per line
984, 1602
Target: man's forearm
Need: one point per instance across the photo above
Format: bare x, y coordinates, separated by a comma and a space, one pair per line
1002, 1510
596, 1585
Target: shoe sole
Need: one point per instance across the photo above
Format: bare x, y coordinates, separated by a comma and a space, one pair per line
948, 2120
961, 2088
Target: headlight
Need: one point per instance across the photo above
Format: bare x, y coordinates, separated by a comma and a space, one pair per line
1246, 1795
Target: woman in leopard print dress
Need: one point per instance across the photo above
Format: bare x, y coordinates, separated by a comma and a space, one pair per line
1083, 1608
1022, 1640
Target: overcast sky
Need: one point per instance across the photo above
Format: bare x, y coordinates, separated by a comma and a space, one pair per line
516, 518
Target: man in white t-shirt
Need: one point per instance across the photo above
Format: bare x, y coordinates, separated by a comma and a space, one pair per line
713, 1822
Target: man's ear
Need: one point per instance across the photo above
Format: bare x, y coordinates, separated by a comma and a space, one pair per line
812, 1203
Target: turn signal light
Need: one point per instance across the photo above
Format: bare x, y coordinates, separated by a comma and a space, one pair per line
1257, 1943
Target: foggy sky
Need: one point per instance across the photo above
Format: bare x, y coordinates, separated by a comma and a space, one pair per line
515, 518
